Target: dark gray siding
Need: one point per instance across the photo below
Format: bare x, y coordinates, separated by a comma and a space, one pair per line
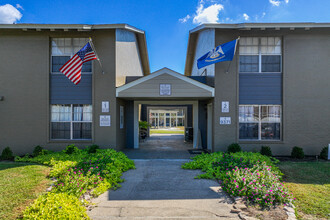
129, 124
63, 91
260, 88
202, 122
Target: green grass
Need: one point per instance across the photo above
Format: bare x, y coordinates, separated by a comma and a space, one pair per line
20, 184
310, 184
166, 132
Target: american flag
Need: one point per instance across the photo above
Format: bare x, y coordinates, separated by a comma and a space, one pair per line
72, 68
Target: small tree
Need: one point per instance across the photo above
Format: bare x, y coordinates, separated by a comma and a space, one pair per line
297, 152
324, 153
7, 154
233, 148
266, 150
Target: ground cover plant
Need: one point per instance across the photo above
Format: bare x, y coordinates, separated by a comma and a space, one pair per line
252, 176
310, 184
21, 183
78, 173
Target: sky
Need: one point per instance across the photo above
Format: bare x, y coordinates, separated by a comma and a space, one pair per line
166, 22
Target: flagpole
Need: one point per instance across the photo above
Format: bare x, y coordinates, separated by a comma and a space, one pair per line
98, 59
234, 54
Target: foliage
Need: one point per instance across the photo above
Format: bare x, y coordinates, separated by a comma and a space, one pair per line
39, 151
144, 125
297, 152
324, 153
233, 148
56, 206
258, 184
92, 149
71, 149
309, 183
266, 150
82, 172
232, 170
20, 183
7, 154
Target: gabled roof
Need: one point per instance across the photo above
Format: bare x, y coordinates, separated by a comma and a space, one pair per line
169, 72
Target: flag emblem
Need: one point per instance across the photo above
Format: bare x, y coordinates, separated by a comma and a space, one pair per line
224, 52
72, 68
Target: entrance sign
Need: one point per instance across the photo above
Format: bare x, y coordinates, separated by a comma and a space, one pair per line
165, 89
121, 117
225, 120
105, 121
225, 107
105, 106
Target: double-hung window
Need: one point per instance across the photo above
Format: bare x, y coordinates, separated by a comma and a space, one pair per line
260, 55
259, 122
63, 49
71, 122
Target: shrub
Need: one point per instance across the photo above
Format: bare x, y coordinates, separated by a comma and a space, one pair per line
233, 148
56, 206
258, 184
144, 125
250, 175
266, 150
297, 152
76, 174
37, 151
71, 149
92, 149
7, 154
324, 153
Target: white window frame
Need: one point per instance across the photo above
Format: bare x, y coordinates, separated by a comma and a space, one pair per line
260, 56
71, 123
72, 53
260, 122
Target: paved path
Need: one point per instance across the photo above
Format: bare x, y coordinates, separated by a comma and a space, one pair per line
160, 189
165, 146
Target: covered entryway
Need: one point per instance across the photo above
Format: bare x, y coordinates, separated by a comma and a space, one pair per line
166, 88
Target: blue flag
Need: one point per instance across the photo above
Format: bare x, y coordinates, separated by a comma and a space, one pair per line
224, 52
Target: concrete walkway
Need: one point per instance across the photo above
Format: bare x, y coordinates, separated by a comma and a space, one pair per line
161, 146
160, 189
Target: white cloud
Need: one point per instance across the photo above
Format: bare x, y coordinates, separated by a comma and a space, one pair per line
275, 2
263, 14
207, 15
19, 6
286, 1
9, 14
185, 19
246, 17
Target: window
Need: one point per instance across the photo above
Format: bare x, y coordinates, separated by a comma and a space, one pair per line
260, 55
71, 122
63, 49
259, 122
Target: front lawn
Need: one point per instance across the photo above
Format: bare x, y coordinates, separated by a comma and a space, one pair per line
156, 131
310, 184
20, 184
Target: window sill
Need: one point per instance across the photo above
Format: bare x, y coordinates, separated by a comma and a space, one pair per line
70, 141
260, 142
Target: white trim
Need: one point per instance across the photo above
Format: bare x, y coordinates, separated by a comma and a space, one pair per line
161, 72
